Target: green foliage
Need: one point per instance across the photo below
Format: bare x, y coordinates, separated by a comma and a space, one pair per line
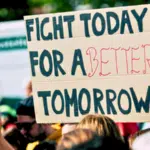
8, 13
61, 5
37, 3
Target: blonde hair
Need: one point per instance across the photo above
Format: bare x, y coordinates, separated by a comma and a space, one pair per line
102, 125
74, 138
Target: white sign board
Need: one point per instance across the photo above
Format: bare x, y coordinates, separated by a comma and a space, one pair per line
88, 62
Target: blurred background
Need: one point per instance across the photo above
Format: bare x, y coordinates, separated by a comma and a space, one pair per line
14, 62
16, 9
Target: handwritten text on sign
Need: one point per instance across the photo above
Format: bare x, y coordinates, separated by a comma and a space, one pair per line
94, 61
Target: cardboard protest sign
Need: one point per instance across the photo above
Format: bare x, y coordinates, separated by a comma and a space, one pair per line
88, 62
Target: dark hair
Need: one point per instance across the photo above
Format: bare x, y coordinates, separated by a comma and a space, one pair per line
102, 143
46, 145
26, 107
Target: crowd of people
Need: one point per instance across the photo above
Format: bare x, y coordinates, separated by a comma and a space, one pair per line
19, 131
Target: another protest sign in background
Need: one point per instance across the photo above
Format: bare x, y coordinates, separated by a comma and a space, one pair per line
14, 61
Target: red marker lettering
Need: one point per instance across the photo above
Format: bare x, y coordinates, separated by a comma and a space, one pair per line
116, 58
93, 60
126, 54
103, 62
133, 59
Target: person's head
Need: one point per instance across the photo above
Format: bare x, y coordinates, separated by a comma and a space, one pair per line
26, 121
133, 137
7, 114
102, 125
85, 139
75, 138
141, 142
